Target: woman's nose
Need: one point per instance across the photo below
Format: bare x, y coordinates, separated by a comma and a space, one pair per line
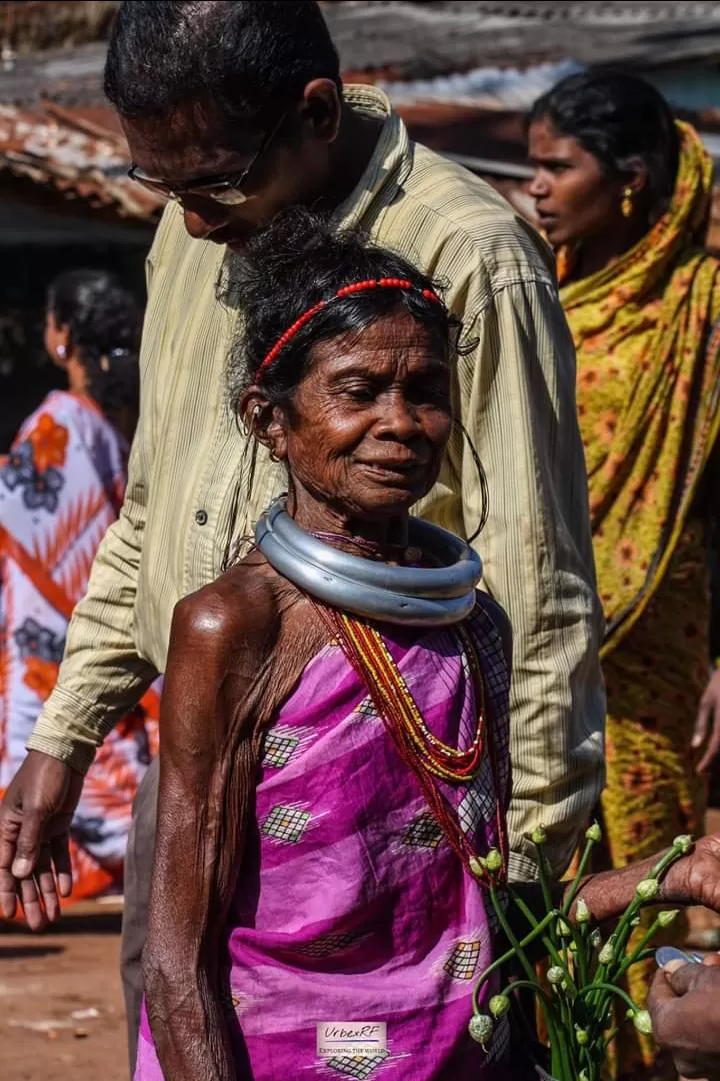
399, 419
538, 188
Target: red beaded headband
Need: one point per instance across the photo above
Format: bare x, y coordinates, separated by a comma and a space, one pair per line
347, 290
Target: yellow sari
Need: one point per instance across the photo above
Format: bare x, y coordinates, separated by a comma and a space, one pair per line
648, 390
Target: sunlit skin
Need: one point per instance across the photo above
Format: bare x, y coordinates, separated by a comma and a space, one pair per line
577, 203
363, 436
315, 158
382, 414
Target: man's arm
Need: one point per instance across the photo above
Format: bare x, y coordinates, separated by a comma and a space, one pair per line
517, 394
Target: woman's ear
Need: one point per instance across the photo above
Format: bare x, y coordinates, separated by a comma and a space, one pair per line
264, 421
637, 175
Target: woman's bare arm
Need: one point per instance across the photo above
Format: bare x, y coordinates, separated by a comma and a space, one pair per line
220, 640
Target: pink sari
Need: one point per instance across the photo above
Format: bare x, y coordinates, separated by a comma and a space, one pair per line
351, 903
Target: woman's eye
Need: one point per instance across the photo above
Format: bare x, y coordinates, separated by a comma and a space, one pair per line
359, 392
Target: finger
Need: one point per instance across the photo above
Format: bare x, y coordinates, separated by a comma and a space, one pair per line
661, 993
32, 906
702, 723
683, 979
712, 748
45, 880
27, 847
60, 850
8, 895
711, 960
8, 885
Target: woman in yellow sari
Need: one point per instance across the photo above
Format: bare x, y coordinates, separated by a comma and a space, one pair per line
623, 194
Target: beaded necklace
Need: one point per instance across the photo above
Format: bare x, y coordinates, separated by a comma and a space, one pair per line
429, 758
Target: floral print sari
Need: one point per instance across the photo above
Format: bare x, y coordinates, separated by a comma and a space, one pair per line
61, 486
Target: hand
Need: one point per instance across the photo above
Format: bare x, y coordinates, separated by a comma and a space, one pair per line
707, 725
35, 818
695, 879
684, 1004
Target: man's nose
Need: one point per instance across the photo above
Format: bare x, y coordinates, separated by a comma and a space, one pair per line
200, 222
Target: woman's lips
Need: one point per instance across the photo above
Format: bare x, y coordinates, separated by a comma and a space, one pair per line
396, 470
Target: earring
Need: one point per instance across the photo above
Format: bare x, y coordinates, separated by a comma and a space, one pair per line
273, 456
248, 426
627, 203
61, 351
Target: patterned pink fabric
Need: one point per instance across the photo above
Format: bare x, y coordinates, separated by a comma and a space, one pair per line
351, 904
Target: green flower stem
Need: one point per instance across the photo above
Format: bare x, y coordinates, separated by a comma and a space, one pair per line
613, 990
639, 949
546, 940
508, 956
518, 950
577, 881
556, 1035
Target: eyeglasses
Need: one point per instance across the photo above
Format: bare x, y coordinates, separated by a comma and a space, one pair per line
225, 190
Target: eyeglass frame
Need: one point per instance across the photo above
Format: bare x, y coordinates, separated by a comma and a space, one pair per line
231, 184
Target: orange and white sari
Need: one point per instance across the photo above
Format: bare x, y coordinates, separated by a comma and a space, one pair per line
61, 486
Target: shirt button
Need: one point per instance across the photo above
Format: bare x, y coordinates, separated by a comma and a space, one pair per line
201, 517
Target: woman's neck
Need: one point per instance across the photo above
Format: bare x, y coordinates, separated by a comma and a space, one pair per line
594, 253
383, 538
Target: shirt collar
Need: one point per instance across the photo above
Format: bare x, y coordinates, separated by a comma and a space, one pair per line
389, 163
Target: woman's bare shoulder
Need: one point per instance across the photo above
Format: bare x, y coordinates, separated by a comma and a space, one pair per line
240, 609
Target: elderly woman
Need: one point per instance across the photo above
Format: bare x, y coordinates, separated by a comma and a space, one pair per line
623, 193
334, 721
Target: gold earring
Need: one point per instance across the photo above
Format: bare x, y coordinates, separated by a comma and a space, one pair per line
627, 203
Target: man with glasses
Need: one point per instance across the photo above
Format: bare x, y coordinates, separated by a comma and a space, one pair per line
236, 111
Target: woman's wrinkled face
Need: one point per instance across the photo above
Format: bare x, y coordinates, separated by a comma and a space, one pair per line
573, 197
369, 423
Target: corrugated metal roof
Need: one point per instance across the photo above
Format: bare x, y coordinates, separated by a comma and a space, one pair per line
73, 155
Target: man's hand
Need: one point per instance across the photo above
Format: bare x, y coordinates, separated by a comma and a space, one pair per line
707, 725
35, 818
684, 1003
695, 879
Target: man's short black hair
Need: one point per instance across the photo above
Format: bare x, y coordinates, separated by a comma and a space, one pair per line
249, 59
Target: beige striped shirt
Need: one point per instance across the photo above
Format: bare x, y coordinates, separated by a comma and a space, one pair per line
188, 500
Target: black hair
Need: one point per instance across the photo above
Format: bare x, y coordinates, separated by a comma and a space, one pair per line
617, 117
251, 59
103, 320
300, 260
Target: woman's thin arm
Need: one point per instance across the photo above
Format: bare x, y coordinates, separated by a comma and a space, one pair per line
186, 917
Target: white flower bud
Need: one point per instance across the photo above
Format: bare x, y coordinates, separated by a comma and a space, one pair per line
594, 833
481, 1028
582, 912
539, 836
668, 916
556, 975
643, 1022
684, 842
493, 860
499, 1005
607, 953
647, 890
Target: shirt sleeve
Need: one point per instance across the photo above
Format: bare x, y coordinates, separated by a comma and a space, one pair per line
102, 675
517, 395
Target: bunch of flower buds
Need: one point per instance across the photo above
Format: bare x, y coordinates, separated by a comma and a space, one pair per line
583, 981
